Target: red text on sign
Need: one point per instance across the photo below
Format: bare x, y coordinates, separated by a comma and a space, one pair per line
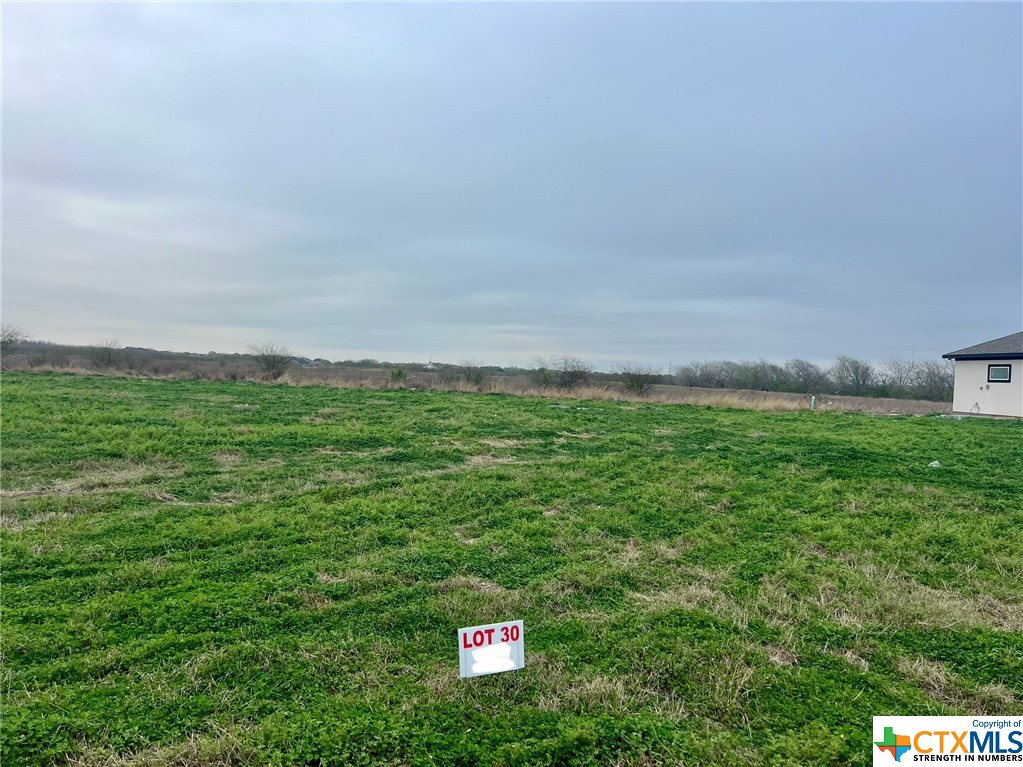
485, 637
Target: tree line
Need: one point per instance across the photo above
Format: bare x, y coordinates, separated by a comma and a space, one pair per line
895, 377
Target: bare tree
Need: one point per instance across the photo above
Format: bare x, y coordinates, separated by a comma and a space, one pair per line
10, 336
106, 354
935, 380
472, 373
638, 379
899, 373
542, 375
852, 376
449, 374
568, 371
808, 377
713, 374
271, 358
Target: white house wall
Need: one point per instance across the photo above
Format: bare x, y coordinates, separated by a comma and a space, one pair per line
973, 393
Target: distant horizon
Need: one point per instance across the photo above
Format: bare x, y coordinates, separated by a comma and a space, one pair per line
413, 359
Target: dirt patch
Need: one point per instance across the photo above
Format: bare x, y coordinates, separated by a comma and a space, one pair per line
580, 435
781, 656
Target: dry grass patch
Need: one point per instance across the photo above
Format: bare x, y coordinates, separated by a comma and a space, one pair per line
227, 459
509, 443
898, 600
855, 658
223, 749
470, 583
16, 524
353, 576
323, 416
229, 498
313, 599
703, 593
386, 450
729, 681
885, 597
463, 537
939, 682
104, 479
488, 460
617, 695
670, 551
348, 478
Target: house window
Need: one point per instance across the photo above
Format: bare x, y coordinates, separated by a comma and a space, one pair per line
999, 373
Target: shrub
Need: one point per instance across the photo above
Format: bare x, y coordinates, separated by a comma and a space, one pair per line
638, 380
106, 354
541, 375
472, 373
564, 372
271, 358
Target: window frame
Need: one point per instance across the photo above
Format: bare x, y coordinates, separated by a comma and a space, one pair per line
1008, 368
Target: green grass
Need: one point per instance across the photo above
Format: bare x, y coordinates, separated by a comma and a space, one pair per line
233, 573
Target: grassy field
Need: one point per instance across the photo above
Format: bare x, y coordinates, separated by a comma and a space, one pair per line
234, 573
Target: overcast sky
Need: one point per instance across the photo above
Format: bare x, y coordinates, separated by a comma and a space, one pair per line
649, 183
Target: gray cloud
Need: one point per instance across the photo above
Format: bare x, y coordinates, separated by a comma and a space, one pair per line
650, 183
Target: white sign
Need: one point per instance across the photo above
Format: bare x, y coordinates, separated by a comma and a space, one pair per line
491, 649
